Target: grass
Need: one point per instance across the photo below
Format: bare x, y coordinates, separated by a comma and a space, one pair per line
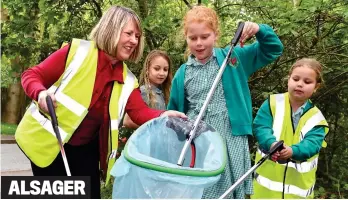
8, 129
106, 191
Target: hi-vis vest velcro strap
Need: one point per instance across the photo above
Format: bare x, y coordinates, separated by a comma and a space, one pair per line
279, 115
301, 167
127, 89
279, 187
65, 100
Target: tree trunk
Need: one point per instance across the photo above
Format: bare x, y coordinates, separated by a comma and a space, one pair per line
143, 11
3, 99
12, 112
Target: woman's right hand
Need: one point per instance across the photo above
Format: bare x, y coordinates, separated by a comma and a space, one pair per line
173, 113
42, 100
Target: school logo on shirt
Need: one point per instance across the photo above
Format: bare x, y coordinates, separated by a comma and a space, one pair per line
45, 187
233, 62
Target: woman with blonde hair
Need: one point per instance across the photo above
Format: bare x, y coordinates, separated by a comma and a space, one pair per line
91, 88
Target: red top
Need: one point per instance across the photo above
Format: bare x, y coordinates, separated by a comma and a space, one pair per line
42, 76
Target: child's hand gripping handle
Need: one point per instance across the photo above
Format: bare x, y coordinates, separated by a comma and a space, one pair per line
277, 147
238, 33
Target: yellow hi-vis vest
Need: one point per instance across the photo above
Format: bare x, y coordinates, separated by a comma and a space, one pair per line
73, 92
295, 179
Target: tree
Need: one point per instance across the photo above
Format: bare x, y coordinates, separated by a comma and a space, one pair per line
35, 29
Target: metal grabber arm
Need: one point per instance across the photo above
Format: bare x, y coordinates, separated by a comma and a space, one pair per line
277, 147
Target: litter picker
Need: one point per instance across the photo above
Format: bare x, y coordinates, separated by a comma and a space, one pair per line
210, 93
277, 147
56, 131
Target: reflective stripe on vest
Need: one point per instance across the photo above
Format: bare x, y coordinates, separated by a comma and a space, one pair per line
130, 82
279, 116
278, 186
67, 101
46, 123
312, 122
126, 91
75, 64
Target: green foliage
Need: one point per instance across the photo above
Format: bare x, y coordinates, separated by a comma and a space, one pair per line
8, 129
106, 191
6, 72
34, 29
123, 136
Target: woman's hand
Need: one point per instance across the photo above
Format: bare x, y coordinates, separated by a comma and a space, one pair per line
128, 123
249, 30
42, 100
173, 113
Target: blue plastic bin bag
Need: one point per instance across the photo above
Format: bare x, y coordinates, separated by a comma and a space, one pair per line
147, 167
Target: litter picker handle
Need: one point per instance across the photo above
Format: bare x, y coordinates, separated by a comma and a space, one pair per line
277, 147
238, 33
54, 121
210, 94
53, 115
51, 111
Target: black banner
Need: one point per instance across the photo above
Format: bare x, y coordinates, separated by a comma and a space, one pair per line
45, 187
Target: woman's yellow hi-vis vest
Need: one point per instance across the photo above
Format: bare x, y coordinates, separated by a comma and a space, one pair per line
73, 92
295, 179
